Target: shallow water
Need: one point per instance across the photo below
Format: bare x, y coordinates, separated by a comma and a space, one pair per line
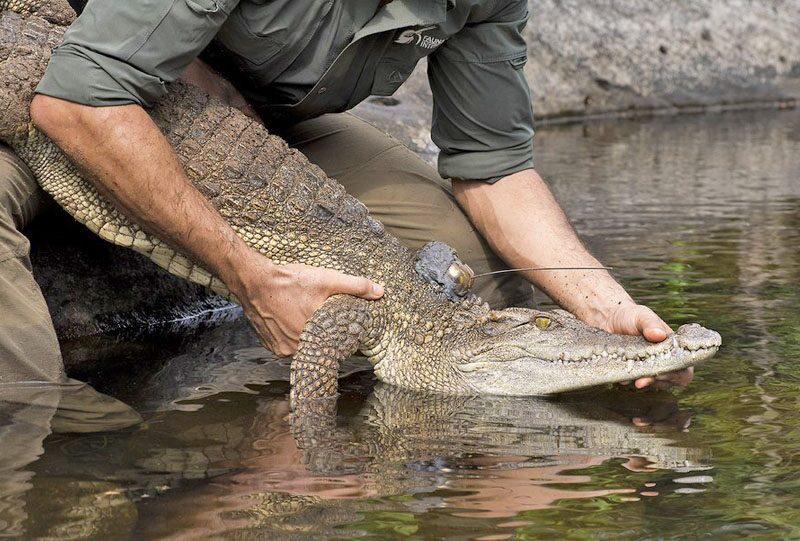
698, 215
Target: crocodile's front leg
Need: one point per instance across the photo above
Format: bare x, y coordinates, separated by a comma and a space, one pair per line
334, 332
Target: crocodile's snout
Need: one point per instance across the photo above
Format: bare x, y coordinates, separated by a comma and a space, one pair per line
560, 353
693, 337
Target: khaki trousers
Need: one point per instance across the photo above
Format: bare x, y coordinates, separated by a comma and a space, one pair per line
399, 188
28, 346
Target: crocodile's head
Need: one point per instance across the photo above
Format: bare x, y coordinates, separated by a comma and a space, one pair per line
528, 352
520, 351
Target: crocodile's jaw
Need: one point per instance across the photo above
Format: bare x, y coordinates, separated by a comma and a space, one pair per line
531, 377
513, 371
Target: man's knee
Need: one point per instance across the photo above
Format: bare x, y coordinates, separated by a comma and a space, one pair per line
20, 200
28, 346
29, 349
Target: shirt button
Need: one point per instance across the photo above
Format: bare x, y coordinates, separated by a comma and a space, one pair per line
322, 90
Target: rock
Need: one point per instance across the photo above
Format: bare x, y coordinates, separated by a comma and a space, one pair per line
95, 289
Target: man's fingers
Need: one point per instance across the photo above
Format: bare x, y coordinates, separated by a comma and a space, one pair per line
285, 345
354, 285
654, 334
642, 320
651, 326
680, 378
282, 306
284, 351
281, 348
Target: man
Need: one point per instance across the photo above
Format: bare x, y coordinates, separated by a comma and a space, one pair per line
293, 62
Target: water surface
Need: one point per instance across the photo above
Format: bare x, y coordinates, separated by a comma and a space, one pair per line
699, 217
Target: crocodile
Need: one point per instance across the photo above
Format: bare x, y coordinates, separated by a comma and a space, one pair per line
428, 332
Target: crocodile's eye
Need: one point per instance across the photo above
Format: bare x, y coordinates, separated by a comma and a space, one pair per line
541, 322
462, 276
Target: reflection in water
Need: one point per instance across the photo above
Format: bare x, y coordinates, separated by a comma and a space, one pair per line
700, 216
28, 414
494, 456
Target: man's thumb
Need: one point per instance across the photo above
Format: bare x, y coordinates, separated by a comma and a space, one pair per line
358, 287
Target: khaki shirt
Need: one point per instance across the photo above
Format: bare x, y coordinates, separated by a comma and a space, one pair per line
296, 59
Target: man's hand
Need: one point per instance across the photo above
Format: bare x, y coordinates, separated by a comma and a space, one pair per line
634, 319
279, 299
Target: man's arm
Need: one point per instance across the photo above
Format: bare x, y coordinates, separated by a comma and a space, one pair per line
525, 226
123, 152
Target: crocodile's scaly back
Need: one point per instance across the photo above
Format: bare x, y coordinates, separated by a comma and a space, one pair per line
420, 335
57, 12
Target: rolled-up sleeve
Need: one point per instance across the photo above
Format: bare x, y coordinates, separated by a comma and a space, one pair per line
123, 52
482, 117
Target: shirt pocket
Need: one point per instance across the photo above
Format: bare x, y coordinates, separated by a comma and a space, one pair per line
211, 7
408, 46
248, 34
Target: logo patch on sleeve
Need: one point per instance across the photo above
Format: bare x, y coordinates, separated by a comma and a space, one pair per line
419, 38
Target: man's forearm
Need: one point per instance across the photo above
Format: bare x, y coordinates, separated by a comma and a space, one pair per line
526, 227
131, 163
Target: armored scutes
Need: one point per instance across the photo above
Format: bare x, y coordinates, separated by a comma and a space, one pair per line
421, 335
